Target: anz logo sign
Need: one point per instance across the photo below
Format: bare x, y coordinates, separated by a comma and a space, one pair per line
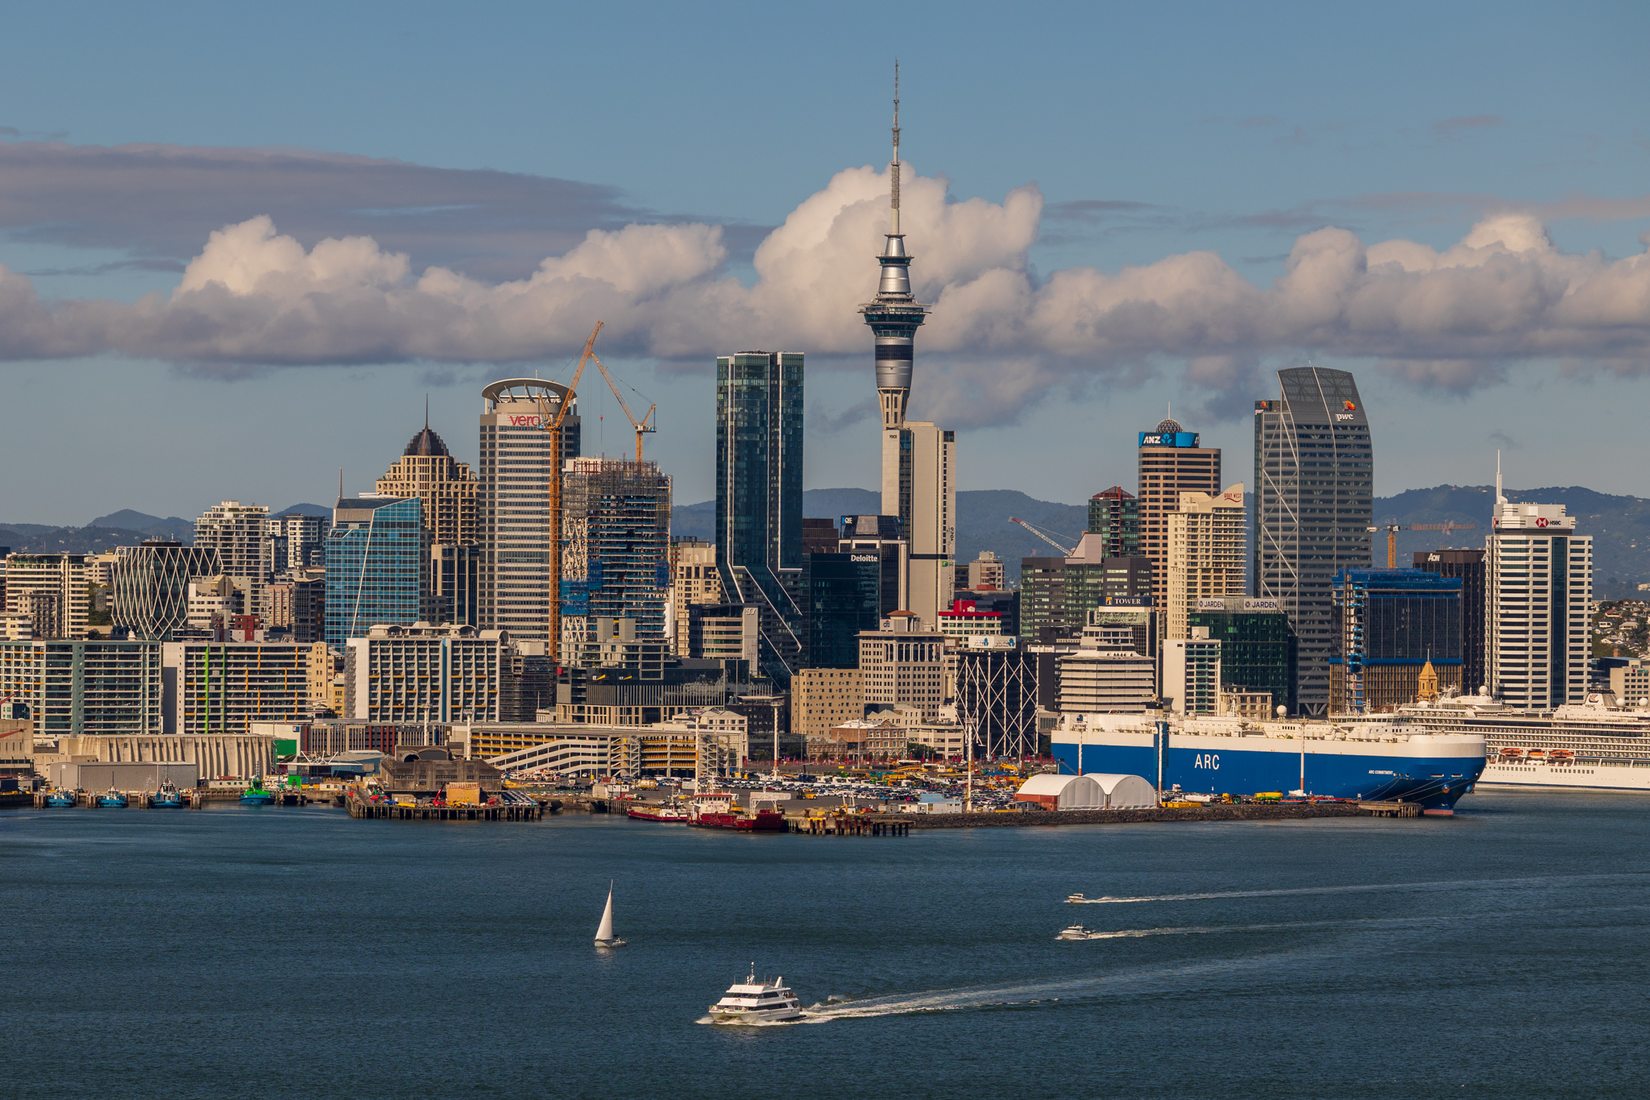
1206, 760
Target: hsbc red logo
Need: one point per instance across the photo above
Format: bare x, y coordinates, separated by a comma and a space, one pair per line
523, 421
1541, 521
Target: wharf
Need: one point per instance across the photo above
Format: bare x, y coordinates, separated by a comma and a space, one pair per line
522, 809
1252, 811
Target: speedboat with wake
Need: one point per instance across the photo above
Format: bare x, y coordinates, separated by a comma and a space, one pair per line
1074, 932
757, 1002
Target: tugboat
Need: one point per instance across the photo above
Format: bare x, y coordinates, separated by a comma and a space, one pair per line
719, 811
256, 794
111, 799
757, 1002
167, 798
60, 800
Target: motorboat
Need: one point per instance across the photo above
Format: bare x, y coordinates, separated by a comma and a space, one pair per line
1076, 899
111, 799
168, 797
753, 1001
1073, 932
604, 930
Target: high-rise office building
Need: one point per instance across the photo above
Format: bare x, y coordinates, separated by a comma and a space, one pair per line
521, 453
376, 554
693, 580
296, 603
1314, 487
1539, 594
919, 485
1114, 515
446, 491
997, 696
903, 664
1469, 567
1257, 647
759, 495
240, 534
615, 551
839, 601
149, 585
880, 537
1206, 555
1191, 673
986, 571
1171, 462
1057, 594
1394, 623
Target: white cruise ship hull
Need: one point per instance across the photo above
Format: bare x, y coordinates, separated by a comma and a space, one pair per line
1578, 775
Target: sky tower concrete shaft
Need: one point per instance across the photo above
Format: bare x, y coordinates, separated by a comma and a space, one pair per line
894, 315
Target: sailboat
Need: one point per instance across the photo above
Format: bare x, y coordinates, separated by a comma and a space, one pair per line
604, 931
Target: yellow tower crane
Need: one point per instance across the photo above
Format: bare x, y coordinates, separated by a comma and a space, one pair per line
640, 427
551, 422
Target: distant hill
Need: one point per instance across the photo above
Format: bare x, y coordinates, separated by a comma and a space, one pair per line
123, 528
171, 527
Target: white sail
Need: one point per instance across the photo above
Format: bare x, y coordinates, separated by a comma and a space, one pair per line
604, 932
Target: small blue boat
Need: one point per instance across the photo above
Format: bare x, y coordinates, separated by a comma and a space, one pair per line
167, 798
257, 794
60, 800
111, 799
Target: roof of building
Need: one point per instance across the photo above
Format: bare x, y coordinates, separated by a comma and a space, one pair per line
1169, 426
426, 444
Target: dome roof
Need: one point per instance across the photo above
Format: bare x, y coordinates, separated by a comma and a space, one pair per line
426, 444
1164, 427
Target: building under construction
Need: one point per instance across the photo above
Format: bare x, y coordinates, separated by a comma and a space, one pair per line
615, 556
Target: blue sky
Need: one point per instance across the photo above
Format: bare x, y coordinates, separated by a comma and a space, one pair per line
481, 141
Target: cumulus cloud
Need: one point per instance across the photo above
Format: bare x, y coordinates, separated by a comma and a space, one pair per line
1000, 334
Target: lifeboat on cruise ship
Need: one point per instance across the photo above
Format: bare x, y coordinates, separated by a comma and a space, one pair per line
1561, 756
1537, 755
1512, 754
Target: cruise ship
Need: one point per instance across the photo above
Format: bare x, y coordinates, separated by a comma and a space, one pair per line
1591, 745
1392, 760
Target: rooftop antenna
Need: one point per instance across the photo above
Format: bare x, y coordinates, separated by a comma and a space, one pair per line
1500, 497
340, 483
426, 412
894, 167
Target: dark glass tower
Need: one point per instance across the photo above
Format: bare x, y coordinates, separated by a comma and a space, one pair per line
1314, 487
759, 495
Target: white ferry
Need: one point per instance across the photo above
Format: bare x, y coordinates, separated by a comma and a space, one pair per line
757, 1002
1589, 746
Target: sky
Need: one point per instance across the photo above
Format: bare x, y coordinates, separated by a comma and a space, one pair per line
240, 246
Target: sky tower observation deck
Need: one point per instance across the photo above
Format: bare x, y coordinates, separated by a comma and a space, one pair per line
894, 315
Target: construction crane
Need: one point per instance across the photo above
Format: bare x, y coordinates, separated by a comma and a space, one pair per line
640, 427
1065, 551
551, 422
1392, 530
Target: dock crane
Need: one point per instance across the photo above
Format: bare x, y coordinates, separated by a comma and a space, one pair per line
1392, 530
1065, 551
641, 427
551, 422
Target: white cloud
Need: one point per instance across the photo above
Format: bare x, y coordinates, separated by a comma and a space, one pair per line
1450, 319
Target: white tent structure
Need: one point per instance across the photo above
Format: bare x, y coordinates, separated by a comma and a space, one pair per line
1095, 791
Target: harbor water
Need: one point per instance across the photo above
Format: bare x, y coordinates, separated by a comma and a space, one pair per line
295, 951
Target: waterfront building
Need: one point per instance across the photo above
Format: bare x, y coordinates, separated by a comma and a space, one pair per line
1314, 486
1470, 568
239, 533
1114, 515
424, 673
1171, 461
1539, 592
987, 570
376, 566
149, 585
1257, 651
522, 456
759, 496
447, 492
997, 696
1191, 673
1205, 554
91, 687
53, 591
903, 663
1394, 623
615, 552
880, 538
839, 601
215, 687
693, 580
296, 603
596, 695
822, 698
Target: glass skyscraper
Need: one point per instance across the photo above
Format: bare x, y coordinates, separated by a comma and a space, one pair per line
1394, 623
615, 551
375, 566
759, 495
1314, 489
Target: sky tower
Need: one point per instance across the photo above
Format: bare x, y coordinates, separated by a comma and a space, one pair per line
894, 315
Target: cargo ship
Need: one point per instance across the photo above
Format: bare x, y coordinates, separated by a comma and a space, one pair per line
1588, 746
1386, 761
720, 811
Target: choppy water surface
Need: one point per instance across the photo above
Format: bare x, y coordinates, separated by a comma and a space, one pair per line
296, 951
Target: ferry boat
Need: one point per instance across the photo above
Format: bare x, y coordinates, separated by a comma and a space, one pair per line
757, 1002
1386, 761
111, 799
167, 798
720, 811
656, 811
1590, 745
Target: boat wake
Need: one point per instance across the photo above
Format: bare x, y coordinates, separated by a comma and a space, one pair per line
1359, 888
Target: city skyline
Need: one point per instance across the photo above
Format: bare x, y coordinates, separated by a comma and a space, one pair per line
1507, 224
